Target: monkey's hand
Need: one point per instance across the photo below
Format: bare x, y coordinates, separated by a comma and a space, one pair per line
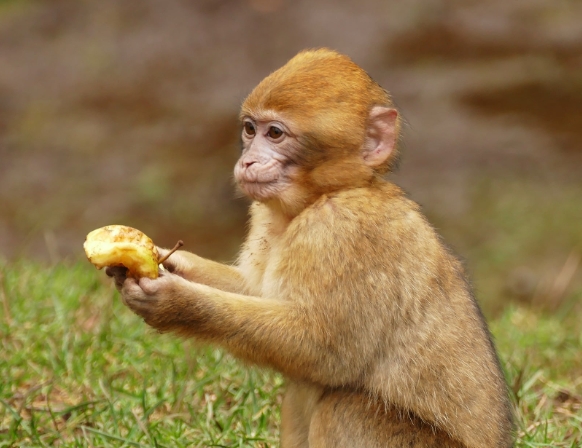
200, 270
179, 263
161, 302
119, 275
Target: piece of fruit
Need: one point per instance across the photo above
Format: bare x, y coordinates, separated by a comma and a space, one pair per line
118, 245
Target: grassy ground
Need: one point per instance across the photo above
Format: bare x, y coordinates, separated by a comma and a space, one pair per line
78, 369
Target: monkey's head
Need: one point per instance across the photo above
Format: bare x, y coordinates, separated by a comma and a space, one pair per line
317, 125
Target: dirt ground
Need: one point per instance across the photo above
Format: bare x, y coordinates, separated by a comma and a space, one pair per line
126, 112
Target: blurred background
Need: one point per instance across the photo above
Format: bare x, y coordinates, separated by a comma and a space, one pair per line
125, 112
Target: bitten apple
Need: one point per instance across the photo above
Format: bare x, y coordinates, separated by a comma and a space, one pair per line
118, 245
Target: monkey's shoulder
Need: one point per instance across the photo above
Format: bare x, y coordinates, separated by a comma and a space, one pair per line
383, 208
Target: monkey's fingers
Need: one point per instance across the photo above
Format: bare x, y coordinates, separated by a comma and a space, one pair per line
119, 274
168, 260
178, 245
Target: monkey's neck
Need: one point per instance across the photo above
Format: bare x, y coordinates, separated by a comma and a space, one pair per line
287, 207
280, 214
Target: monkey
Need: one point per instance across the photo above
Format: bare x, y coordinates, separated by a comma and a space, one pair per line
341, 285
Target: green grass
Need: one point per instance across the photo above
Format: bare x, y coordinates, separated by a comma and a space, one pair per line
79, 369
542, 355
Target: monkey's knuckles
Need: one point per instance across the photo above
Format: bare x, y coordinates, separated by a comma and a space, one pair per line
149, 298
140, 301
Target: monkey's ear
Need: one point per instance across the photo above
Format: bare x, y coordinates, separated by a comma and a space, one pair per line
381, 135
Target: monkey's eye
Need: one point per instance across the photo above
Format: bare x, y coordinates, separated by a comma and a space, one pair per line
274, 132
249, 129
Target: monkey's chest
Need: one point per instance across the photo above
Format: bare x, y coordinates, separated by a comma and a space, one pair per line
260, 262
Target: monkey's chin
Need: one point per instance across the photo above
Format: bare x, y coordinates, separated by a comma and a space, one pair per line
261, 191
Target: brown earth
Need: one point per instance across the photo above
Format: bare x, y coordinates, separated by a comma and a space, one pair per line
125, 112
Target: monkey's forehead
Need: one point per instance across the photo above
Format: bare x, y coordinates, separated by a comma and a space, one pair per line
262, 114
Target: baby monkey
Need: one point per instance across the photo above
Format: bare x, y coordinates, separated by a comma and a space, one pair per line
341, 285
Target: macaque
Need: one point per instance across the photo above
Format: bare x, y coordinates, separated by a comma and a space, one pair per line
341, 285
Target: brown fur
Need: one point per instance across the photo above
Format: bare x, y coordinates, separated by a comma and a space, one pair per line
352, 297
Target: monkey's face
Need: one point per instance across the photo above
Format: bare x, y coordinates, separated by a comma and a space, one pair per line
317, 125
268, 165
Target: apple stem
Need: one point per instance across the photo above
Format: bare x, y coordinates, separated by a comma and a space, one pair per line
178, 245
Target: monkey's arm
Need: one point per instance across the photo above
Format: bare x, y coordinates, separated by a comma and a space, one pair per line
300, 338
201, 270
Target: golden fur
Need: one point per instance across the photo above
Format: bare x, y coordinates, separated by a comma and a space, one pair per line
351, 296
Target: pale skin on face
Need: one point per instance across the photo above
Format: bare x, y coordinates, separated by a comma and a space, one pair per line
341, 284
266, 165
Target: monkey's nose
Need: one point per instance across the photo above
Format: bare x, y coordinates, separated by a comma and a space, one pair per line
249, 163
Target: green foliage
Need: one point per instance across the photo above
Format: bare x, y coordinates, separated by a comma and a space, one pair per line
79, 369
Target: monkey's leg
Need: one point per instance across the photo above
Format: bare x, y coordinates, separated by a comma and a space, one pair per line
344, 419
296, 412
